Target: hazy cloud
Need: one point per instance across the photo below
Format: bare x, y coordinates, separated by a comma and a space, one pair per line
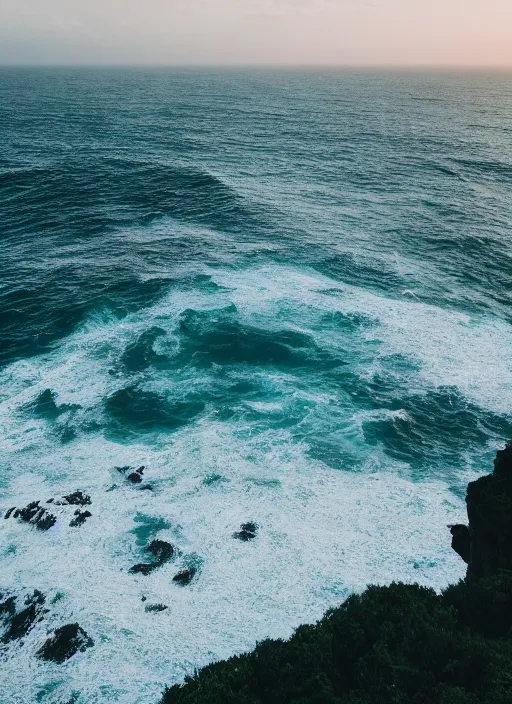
256, 31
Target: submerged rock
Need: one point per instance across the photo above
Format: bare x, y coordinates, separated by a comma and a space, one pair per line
185, 576
161, 551
135, 478
155, 608
144, 568
248, 531
132, 475
80, 518
65, 642
123, 470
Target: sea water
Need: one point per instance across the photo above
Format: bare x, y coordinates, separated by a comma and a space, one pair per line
287, 294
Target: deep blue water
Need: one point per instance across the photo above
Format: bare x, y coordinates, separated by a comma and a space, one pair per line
287, 294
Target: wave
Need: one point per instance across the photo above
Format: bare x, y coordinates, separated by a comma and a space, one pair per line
494, 167
269, 394
95, 196
286, 336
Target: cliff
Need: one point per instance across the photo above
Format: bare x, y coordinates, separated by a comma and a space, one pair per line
401, 644
489, 501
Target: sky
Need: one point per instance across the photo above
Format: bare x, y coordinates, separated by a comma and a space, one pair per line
220, 32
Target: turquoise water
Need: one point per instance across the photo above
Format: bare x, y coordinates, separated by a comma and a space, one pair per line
287, 295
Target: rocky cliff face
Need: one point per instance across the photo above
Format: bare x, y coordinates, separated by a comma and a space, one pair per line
486, 543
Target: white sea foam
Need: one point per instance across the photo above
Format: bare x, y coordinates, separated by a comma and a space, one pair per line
453, 348
324, 533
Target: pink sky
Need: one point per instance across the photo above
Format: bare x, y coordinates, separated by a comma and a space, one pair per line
346, 32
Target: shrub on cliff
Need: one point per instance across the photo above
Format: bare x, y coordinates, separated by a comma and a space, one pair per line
401, 644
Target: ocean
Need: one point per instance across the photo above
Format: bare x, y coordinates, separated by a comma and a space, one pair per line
285, 293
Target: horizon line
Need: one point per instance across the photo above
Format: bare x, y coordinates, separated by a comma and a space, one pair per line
383, 66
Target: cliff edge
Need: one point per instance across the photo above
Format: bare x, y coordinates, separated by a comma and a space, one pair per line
400, 644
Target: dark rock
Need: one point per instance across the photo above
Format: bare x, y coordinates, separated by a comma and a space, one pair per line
46, 521
77, 498
143, 568
9, 511
81, 517
144, 598
135, 478
154, 608
487, 543
132, 475
34, 514
7, 607
247, 532
36, 597
161, 551
39, 515
123, 470
29, 512
185, 576
74, 698
65, 642
20, 624
461, 541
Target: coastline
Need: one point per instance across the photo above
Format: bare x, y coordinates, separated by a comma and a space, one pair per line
400, 643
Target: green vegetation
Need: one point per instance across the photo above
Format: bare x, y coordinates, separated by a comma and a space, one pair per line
400, 644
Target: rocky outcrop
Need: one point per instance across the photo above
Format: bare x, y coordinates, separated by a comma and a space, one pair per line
155, 608
134, 476
248, 531
486, 543
18, 620
80, 518
161, 553
18, 623
77, 498
461, 542
34, 514
40, 517
185, 576
65, 642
